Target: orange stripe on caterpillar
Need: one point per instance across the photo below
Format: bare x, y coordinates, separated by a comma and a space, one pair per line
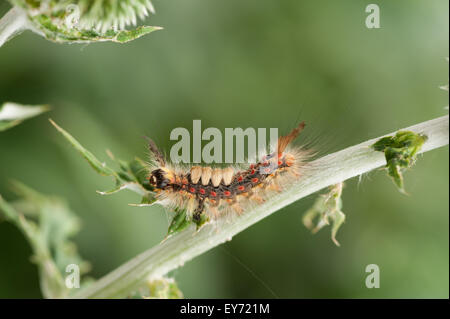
220, 191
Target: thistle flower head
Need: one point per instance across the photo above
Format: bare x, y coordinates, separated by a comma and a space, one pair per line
86, 20
100, 15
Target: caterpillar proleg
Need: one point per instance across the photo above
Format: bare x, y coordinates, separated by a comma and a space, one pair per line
216, 192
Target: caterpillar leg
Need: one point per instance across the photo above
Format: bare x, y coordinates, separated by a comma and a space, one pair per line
273, 187
235, 206
213, 207
256, 197
199, 210
270, 185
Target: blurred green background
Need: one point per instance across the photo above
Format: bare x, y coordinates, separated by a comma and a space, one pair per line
253, 63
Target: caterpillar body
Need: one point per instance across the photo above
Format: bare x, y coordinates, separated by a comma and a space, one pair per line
215, 192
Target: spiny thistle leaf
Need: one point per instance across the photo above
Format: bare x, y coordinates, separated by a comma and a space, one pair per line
60, 33
327, 206
179, 222
100, 167
133, 176
85, 21
12, 114
49, 233
133, 186
201, 222
400, 152
130, 175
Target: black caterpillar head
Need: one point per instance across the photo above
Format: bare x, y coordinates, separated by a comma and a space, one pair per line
159, 178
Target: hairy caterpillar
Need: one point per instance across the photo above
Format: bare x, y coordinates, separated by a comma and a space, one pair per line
216, 192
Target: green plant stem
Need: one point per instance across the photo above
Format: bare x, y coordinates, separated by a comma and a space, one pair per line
182, 247
12, 23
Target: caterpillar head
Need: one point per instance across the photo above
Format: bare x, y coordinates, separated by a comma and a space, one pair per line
160, 178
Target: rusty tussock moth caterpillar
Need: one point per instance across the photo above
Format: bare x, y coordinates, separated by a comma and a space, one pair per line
209, 192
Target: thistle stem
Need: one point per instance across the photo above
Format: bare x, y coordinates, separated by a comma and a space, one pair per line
12, 23
182, 247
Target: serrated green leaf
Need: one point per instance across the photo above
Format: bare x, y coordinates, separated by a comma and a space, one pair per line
120, 187
202, 221
131, 176
400, 152
178, 223
52, 29
12, 114
98, 166
148, 199
327, 206
382, 143
139, 171
49, 236
312, 213
338, 219
134, 170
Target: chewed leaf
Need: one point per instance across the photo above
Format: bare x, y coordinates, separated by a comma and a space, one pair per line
147, 200
49, 236
130, 175
12, 114
114, 190
179, 222
202, 221
312, 213
139, 171
133, 186
163, 288
400, 152
134, 171
326, 207
100, 167
338, 220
